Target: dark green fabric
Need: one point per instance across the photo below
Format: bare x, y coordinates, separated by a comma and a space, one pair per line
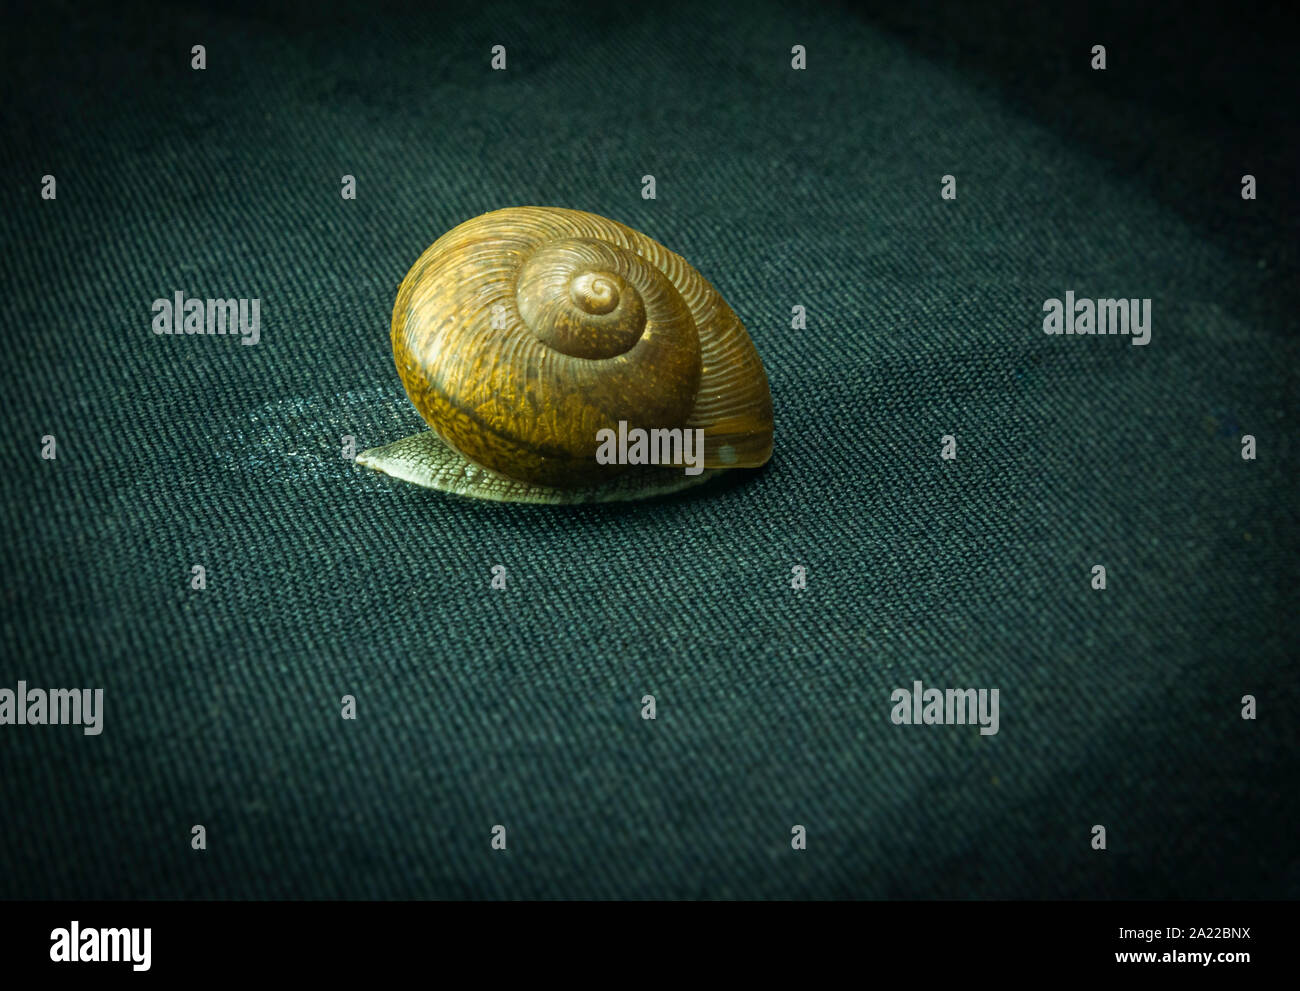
476, 708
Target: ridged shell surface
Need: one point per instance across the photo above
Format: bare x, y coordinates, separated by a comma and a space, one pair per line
520, 334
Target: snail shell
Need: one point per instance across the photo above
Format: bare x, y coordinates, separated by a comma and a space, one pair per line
522, 333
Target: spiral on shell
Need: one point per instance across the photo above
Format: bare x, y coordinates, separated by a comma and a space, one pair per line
522, 333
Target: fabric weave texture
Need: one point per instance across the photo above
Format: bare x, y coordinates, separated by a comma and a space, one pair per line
522, 708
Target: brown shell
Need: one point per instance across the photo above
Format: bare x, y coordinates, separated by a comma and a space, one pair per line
521, 333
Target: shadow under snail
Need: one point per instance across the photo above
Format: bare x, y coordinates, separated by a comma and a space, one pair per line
524, 333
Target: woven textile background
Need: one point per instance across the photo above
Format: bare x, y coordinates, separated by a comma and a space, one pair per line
818, 188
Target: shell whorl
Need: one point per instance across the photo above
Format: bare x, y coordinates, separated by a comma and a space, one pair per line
523, 332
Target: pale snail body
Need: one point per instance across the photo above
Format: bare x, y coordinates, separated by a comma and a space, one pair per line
523, 333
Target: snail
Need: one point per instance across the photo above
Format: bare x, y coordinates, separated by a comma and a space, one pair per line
527, 337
